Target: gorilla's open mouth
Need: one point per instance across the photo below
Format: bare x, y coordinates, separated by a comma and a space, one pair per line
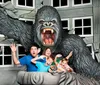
48, 36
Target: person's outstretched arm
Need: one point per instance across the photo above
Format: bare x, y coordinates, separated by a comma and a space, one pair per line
13, 49
70, 54
37, 58
55, 60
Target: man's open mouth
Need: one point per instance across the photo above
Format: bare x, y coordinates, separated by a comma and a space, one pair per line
48, 36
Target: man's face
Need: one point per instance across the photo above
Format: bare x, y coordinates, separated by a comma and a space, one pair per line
34, 51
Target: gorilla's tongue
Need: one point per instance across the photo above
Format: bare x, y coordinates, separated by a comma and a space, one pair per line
48, 38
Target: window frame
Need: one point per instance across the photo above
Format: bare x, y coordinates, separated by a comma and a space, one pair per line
23, 19
17, 54
82, 4
66, 19
25, 5
60, 4
91, 50
3, 2
17, 51
5, 55
83, 35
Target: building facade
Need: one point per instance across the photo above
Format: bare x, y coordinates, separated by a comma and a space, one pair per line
80, 17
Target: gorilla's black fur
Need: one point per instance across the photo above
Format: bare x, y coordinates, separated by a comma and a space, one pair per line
47, 18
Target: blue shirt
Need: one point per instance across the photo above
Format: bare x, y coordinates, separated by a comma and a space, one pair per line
42, 67
26, 60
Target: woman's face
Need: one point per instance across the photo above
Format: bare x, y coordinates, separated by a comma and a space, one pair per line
48, 52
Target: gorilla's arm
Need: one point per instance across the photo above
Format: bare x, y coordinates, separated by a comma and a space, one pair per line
81, 60
13, 28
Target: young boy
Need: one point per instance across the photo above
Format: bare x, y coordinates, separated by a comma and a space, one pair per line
26, 60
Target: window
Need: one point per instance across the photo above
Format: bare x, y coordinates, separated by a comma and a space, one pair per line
28, 21
26, 3
65, 23
83, 26
81, 2
90, 47
21, 51
4, 1
60, 3
5, 54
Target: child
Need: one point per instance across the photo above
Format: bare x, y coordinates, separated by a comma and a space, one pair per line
63, 66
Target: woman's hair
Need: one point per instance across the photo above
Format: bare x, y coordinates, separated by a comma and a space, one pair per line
51, 52
45, 50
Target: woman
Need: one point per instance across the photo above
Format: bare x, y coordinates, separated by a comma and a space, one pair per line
43, 66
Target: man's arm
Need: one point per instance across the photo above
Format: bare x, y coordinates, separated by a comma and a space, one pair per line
13, 49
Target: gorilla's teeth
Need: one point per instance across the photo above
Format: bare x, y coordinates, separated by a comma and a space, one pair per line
44, 31
52, 31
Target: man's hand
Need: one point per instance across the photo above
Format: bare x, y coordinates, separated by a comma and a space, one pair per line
13, 47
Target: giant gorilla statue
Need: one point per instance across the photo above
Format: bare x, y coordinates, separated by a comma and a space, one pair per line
47, 32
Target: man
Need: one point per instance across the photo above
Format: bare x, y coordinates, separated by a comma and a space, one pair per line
26, 60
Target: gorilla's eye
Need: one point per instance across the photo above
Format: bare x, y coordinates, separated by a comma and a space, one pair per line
54, 21
41, 21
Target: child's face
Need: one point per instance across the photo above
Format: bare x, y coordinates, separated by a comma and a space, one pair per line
64, 62
49, 61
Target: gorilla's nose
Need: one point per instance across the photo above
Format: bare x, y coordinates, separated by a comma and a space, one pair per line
50, 24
